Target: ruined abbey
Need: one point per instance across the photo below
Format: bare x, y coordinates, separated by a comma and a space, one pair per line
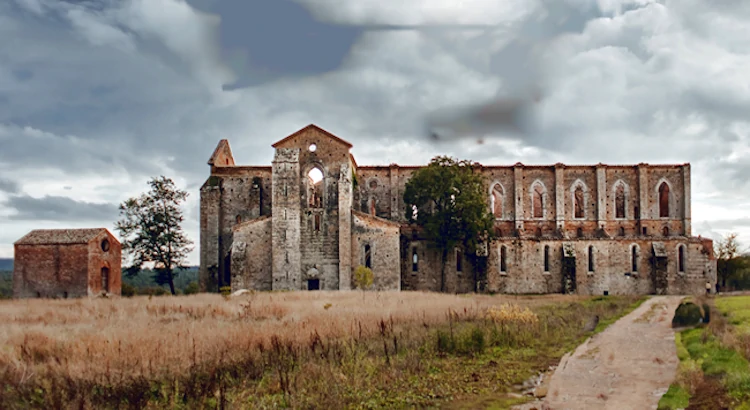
308, 220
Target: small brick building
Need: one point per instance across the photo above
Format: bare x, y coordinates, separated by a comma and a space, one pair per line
62, 263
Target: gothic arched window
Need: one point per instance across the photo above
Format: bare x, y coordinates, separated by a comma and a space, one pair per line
578, 202
496, 201
620, 201
315, 188
663, 200
537, 204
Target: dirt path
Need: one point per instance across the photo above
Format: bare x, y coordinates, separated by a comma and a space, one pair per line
628, 366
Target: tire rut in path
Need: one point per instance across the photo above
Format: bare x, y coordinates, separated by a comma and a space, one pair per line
629, 365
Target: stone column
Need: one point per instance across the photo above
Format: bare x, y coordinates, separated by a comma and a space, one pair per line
396, 212
518, 187
560, 196
601, 195
285, 219
210, 203
345, 227
643, 193
687, 217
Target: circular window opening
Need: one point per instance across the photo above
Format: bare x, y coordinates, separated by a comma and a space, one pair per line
313, 147
105, 245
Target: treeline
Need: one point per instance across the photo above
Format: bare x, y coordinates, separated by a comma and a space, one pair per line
732, 265
144, 283
6, 284
734, 274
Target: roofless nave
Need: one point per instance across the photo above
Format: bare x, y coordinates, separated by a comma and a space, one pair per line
314, 215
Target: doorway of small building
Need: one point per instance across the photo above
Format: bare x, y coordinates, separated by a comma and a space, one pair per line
105, 279
313, 284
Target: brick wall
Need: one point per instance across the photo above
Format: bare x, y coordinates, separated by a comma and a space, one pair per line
111, 259
66, 270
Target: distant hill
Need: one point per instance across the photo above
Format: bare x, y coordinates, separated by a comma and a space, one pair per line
6, 264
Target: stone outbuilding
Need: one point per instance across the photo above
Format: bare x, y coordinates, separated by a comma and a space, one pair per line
63, 263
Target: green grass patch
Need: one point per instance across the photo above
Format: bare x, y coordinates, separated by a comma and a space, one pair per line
710, 372
737, 309
675, 398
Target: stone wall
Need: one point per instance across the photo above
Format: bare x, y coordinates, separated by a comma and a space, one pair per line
381, 238
251, 255
427, 274
611, 269
321, 239
230, 196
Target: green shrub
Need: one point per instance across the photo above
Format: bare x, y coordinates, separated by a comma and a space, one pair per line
127, 290
225, 290
192, 288
445, 343
363, 277
687, 314
468, 341
475, 343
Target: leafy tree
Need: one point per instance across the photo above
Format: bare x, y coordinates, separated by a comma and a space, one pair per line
448, 200
363, 277
150, 227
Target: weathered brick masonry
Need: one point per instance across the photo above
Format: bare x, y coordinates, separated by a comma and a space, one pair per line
616, 229
62, 263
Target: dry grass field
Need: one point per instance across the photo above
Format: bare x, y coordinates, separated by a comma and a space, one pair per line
288, 349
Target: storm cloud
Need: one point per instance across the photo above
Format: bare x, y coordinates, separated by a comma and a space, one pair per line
56, 208
100, 95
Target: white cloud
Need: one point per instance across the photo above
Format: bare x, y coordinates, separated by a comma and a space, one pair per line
189, 33
34, 6
417, 11
98, 32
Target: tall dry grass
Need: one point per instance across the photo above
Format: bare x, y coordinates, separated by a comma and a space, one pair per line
128, 344
161, 335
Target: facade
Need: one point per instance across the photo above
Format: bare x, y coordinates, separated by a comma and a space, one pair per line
308, 220
63, 263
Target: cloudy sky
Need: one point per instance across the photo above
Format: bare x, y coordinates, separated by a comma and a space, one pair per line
97, 96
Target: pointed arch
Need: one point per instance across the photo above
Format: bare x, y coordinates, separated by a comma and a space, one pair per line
634, 255
664, 198
621, 196
538, 199
579, 193
497, 200
315, 186
591, 258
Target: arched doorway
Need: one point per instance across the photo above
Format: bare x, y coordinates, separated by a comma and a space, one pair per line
105, 279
